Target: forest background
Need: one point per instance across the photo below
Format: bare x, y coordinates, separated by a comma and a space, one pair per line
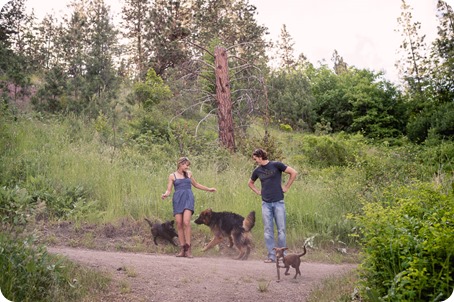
94, 116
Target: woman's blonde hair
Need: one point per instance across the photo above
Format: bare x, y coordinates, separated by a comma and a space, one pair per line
181, 161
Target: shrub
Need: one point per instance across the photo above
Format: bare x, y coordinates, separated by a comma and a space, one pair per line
407, 241
326, 151
29, 273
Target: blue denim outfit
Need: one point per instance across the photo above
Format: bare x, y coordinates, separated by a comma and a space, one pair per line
274, 211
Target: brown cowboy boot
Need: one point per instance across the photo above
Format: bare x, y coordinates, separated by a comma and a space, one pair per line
188, 252
182, 252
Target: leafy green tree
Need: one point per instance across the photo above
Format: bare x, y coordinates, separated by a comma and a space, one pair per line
358, 101
152, 91
429, 79
330, 102
377, 106
291, 99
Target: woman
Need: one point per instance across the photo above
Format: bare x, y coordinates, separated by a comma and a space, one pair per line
183, 202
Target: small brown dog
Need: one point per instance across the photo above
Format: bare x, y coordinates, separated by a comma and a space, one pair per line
164, 230
292, 260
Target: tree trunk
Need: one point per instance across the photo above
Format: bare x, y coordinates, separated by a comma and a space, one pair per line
223, 98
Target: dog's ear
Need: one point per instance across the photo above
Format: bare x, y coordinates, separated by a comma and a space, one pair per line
172, 222
285, 248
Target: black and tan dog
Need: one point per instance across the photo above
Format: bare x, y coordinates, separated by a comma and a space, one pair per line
292, 260
229, 225
164, 230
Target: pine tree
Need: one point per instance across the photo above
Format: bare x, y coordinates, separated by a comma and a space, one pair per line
442, 54
135, 21
285, 49
413, 67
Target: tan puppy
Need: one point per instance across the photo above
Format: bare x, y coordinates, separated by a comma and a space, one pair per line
292, 260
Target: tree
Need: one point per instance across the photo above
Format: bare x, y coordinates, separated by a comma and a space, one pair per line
358, 100
413, 66
377, 106
340, 66
291, 99
152, 91
443, 54
135, 22
223, 97
166, 35
50, 97
285, 49
12, 61
102, 49
429, 77
330, 103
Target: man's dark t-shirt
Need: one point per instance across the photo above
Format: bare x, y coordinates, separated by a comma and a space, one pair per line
270, 176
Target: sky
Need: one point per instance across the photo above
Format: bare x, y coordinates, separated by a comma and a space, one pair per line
362, 31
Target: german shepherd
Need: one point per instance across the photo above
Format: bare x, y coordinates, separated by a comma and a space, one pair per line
230, 225
164, 230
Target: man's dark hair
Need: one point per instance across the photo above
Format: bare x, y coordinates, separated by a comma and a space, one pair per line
260, 153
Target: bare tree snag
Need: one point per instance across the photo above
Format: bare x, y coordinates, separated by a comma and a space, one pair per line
223, 99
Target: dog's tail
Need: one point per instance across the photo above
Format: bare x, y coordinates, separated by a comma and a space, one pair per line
149, 222
249, 221
304, 252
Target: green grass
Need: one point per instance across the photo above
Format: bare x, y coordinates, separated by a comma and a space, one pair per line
66, 156
66, 165
336, 289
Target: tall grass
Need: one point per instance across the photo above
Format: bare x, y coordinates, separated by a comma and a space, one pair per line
100, 183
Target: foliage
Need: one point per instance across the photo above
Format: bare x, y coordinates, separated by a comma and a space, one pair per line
407, 238
29, 273
291, 99
151, 91
15, 206
326, 151
432, 124
357, 101
51, 96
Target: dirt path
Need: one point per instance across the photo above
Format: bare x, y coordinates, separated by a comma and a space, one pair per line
167, 278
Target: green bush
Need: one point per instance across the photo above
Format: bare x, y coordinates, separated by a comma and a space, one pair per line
326, 151
29, 273
15, 205
407, 240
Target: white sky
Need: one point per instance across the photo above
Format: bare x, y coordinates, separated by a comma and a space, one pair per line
362, 31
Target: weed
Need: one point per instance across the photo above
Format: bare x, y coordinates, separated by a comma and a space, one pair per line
263, 285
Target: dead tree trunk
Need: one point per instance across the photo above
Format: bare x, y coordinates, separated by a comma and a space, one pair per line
223, 99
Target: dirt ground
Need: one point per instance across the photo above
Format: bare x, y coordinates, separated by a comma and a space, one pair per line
157, 277
142, 271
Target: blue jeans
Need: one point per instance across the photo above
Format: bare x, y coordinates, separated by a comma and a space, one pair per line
274, 212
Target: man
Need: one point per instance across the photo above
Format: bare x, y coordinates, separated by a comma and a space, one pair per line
272, 192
